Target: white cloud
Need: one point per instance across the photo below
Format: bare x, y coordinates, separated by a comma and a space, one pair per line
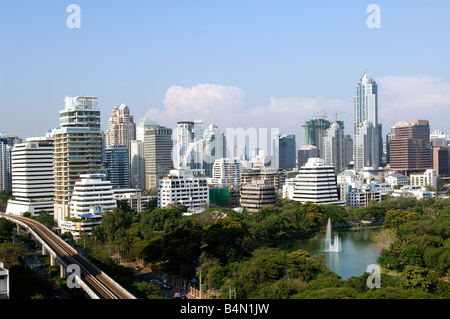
404, 98
211, 103
226, 107
400, 98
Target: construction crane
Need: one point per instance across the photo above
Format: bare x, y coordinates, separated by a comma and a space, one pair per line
322, 114
336, 115
37, 131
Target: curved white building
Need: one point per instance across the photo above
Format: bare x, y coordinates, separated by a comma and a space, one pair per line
316, 183
91, 198
92, 193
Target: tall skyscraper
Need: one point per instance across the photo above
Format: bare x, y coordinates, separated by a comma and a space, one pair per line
367, 131
5, 166
137, 165
189, 142
121, 127
77, 149
7, 142
441, 160
313, 132
410, 149
32, 177
157, 153
348, 151
284, 151
137, 160
116, 166
214, 147
334, 147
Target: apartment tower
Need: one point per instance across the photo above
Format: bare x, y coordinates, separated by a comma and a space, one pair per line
77, 149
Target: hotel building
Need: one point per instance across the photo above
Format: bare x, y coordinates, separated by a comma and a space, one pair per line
32, 177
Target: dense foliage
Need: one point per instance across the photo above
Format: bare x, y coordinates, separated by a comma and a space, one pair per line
236, 253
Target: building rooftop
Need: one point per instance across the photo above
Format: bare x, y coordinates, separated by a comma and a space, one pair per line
148, 122
367, 78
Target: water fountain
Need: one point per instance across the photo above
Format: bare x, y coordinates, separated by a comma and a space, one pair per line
332, 245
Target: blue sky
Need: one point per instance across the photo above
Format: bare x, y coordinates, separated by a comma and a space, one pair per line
271, 64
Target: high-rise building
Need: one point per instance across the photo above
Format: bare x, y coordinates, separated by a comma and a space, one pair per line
226, 172
77, 149
33, 182
5, 166
334, 147
410, 149
305, 153
316, 183
257, 194
314, 131
7, 142
184, 186
189, 143
441, 161
137, 165
137, 160
92, 196
157, 153
368, 148
284, 151
363, 147
348, 151
438, 139
116, 166
214, 147
121, 127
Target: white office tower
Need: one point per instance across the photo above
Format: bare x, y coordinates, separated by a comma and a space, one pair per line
334, 147
367, 130
184, 186
316, 183
214, 148
32, 177
91, 198
189, 144
363, 147
226, 172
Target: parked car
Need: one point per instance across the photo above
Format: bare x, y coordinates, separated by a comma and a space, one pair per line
160, 284
179, 295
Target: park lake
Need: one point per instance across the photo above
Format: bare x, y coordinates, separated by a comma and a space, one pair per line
356, 250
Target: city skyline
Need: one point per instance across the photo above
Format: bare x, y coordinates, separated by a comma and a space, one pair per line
271, 65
